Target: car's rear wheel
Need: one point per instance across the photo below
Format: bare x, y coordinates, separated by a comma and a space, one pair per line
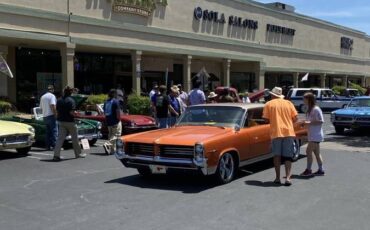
226, 169
297, 150
145, 171
339, 130
23, 151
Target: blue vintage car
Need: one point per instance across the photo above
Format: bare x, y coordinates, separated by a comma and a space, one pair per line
355, 115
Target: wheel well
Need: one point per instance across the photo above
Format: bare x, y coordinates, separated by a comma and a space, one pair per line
236, 157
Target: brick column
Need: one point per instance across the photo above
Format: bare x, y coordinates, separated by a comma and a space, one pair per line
187, 73
322, 80
136, 71
67, 52
226, 72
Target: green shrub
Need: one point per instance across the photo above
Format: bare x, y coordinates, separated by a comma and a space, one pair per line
358, 87
339, 90
138, 104
96, 99
5, 107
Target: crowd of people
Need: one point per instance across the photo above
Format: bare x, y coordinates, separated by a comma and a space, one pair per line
168, 104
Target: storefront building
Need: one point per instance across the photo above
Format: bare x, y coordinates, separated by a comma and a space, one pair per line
95, 45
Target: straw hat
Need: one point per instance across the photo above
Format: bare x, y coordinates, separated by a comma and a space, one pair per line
277, 92
212, 95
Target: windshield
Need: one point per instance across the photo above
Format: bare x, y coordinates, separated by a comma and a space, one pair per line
360, 103
223, 116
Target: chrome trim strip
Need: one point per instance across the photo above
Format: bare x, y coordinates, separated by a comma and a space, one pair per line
254, 160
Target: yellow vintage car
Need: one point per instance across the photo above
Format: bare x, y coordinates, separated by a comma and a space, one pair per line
15, 135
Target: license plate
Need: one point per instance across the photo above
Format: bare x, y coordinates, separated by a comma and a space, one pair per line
158, 169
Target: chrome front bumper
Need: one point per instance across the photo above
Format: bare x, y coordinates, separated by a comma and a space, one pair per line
171, 163
86, 136
16, 145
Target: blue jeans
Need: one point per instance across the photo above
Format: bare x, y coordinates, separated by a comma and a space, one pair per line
163, 123
172, 121
51, 131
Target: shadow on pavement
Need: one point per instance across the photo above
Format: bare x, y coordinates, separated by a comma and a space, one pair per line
350, 139
262, 184
4, 155
174, 182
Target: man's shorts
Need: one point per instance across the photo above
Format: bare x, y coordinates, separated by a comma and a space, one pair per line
283, 146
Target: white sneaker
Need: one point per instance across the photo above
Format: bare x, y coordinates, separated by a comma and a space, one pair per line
106, 149
82, 155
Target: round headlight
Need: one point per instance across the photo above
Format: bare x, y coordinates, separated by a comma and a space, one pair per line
199, 149
120, 149
99, 125
132, 124
31, 129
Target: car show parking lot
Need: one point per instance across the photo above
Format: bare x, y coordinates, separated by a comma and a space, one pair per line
98, 193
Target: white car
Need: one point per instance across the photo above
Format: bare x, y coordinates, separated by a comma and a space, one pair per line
325, 98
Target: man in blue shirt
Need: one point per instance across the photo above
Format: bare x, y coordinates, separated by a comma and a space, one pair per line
112, 113
196, 95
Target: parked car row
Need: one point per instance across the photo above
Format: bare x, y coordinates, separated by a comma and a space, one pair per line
356, 115
20, 131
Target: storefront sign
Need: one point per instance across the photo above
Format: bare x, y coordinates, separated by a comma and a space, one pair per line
346, 43
215, 16
280, 29
139, 7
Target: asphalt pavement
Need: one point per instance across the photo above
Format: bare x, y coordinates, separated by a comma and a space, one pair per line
98, 193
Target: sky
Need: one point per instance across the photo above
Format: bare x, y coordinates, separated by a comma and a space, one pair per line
350, 13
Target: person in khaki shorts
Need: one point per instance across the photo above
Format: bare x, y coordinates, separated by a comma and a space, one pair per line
66, 122
113, 120
281, 115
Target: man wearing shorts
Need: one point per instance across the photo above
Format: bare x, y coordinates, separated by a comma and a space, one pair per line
281, 115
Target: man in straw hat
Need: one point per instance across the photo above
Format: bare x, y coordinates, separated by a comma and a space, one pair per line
212, 97
281, 115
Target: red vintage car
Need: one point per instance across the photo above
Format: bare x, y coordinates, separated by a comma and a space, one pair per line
130, 123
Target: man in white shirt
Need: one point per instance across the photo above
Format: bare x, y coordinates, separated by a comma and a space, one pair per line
48, 103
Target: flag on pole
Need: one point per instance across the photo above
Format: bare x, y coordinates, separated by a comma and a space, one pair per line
4, 68
305, 77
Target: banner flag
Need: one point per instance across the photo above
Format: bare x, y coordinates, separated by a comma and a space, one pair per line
305, 77
4, 68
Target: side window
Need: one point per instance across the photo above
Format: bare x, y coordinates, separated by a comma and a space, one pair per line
289, 95
300, 93
254, 118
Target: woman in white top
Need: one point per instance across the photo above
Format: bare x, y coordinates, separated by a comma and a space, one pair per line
314, 121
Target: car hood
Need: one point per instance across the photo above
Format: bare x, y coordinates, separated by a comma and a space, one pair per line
9, 128
353, 111
181, 135
139, 120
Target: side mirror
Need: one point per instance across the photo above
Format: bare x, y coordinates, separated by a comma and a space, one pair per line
237, 128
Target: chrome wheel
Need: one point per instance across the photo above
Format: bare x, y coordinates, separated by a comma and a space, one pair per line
297, 150
226, 168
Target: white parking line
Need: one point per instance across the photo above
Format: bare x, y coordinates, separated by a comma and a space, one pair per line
39, 158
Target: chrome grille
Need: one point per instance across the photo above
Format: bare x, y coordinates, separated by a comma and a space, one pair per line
14, 138
175, 151
140, 149
363, 119
85, 131
343, 118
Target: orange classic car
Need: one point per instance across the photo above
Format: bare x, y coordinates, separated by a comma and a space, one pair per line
215, 139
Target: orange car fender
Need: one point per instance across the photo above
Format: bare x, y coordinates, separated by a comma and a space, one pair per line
213, 162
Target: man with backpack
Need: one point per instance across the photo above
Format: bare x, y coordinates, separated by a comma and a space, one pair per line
112, 113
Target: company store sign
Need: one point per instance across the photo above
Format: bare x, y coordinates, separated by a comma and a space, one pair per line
139, 7
209, 15
215, 16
